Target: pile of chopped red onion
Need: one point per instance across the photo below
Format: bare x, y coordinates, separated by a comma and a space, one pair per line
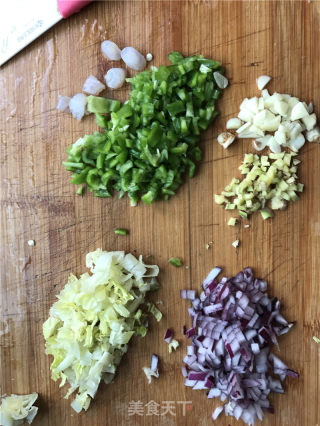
235, 323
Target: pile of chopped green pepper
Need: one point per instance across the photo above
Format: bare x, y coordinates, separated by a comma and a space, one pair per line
150, 141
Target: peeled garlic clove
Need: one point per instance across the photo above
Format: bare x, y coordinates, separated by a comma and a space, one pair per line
262, 81
221, 80
110, 50
133, 59
225, 139
115, 77
233, 124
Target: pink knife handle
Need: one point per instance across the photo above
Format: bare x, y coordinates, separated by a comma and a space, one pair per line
69, 7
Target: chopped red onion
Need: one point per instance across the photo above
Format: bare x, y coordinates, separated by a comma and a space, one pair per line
234, 325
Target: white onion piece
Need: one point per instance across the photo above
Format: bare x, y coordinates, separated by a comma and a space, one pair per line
280, 135
221, 80
297, 143
313, 135
233, 124
225, 139
262, 81
78, 105
310, 121
266, 121
245, 115
252, 105
298, 111
265, 94
63, 103
133, 59
115, 77
260, 143
93, 86
243, 128
274, 146
110, 50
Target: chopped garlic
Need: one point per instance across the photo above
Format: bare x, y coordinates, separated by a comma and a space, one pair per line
262, 81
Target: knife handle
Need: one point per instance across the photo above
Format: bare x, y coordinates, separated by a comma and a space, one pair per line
69, 7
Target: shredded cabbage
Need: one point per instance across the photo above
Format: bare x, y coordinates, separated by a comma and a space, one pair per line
173, 345
149, 373
17, 408
94, 319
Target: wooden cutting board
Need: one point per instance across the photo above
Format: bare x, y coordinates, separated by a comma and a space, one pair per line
280, 39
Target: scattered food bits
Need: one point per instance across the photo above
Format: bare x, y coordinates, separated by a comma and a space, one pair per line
247, 226
120, 231
31, 243
149, 57
236, 243
316, 339
175, 261
232, 221
173, 345
149, 373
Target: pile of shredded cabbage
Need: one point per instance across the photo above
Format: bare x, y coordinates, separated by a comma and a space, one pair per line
15, 409
95, 317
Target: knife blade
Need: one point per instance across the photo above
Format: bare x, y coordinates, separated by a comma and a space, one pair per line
23, 21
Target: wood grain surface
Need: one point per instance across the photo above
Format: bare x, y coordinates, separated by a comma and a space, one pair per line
280, 39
